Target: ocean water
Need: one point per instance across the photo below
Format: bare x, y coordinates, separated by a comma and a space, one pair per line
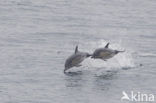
37, 36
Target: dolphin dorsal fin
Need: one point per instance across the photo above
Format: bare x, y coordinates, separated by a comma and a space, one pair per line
107, 45
76, 49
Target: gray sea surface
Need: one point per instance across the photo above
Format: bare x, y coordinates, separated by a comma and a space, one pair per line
37, 36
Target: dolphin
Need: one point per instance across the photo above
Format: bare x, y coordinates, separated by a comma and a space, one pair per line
105, 53
75, 59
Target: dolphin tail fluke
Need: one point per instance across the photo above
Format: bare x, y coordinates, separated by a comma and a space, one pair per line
117, 51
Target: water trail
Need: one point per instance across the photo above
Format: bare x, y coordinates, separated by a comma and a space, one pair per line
147, 55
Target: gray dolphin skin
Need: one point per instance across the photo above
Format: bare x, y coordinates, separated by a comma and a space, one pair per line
105, 53
75, 59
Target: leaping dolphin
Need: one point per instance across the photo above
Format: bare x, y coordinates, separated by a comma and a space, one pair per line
75, 59
105, 53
